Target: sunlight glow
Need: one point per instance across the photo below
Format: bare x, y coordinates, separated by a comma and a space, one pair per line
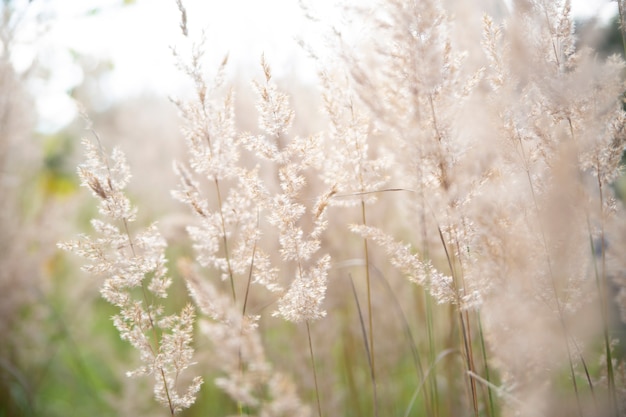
135, 40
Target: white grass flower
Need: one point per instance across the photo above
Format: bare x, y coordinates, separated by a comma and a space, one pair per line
127, 261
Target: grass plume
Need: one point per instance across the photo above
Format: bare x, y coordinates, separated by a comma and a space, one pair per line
468, 161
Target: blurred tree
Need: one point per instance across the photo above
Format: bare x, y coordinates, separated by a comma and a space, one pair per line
606, 38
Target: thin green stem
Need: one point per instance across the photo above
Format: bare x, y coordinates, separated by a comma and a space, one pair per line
492, 411
245, 300
366, 344
351, 369
430, 370
240, 406
369, 308
467, 344
464, 327
362, 188
317, 390
429, 306
600, 292
601, 283
431, 351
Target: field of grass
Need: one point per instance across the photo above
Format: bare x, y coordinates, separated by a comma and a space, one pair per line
435, 229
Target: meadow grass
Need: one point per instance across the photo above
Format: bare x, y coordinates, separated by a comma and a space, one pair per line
444, 240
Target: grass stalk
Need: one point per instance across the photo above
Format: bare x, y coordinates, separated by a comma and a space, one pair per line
501, 392
225, 241
363, 189
349, 365
369, 310
464, 323
366, 344
467, 344
430, 370
430, 330
600, 277
428, 302
240, 406
153, 328
601, 283
415, 355
491, 410
317, 390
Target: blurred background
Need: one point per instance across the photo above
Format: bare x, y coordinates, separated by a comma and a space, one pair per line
112, 60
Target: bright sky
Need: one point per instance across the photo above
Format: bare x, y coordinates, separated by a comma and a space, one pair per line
136, 39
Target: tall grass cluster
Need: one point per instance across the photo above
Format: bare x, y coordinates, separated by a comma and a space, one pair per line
445, 241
